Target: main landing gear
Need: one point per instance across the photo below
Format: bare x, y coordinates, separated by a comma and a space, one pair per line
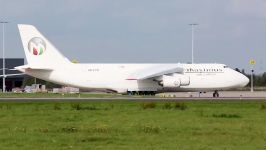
152, 93
215, 94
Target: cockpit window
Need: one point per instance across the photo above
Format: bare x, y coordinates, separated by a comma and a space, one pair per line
225, 66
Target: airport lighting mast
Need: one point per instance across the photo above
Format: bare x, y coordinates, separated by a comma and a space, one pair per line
4, 66
192, 41
252, 62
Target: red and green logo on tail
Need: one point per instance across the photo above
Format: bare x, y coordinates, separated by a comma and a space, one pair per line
36, 46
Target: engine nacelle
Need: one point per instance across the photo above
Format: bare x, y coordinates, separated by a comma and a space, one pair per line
184, 80
175, 81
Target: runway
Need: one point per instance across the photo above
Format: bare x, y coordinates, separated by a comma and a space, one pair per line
222, 95
178, 96
133, 99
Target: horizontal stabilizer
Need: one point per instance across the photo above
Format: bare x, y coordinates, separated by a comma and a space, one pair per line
33, 67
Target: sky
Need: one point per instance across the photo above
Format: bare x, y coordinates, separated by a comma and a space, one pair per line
144, 31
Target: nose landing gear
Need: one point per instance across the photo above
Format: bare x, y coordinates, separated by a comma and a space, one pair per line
215, 94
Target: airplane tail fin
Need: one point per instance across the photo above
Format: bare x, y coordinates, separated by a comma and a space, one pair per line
38, 50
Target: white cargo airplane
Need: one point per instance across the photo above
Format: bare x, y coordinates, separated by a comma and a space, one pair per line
47, 63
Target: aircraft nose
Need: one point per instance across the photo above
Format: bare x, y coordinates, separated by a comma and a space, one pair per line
243, 80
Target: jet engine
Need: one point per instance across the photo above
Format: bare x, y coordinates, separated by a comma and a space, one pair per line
175, 81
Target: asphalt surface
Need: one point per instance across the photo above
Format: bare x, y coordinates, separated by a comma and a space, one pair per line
179, 96
222, 94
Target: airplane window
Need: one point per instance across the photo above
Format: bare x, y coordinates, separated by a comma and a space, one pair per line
225, 66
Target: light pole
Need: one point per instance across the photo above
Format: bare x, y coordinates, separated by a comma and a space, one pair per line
192, 41
4, 66
251, 84
252, 62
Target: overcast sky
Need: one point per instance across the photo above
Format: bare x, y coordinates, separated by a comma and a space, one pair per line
144, 31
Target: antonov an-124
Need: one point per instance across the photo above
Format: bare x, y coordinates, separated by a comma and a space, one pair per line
47, 63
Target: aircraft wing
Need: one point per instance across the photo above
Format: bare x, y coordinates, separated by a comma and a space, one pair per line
155, 71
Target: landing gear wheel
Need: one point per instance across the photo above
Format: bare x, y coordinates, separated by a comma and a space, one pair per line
215, 94
141, 93
153, 93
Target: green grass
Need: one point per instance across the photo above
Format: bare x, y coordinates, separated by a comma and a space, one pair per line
133, 125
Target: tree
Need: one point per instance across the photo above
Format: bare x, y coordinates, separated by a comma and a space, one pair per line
243, 72
236, 69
